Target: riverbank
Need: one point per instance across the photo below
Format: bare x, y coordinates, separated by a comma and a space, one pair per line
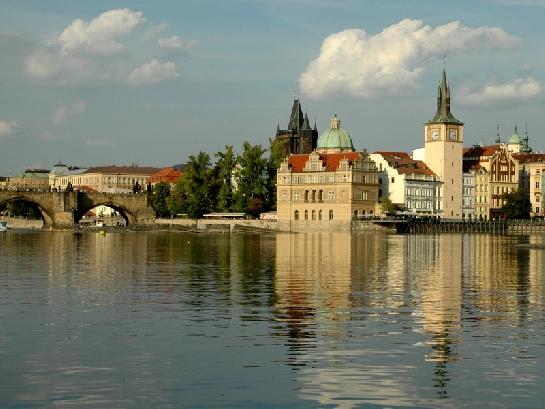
19, 223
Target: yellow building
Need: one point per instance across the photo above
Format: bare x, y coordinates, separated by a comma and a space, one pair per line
444, 136
109, 179
328, 187
532, 166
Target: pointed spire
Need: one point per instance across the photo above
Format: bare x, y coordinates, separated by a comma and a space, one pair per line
306, 124
498, 139
296, 117
443, 113
278, 127
525, 140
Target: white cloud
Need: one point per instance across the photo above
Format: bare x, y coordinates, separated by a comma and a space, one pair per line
356, 63
154, 72
518, 90
176, 42
155, 31
85, 52
7, 128
62, 114
101, 34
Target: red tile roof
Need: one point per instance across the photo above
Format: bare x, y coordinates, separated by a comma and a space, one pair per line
404, 164
530, 157
331, 161
478, 151
125, 170
168, 175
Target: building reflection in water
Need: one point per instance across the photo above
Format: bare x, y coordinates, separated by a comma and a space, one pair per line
350, 303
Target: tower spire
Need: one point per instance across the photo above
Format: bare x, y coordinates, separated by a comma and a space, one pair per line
498, 139
443, 113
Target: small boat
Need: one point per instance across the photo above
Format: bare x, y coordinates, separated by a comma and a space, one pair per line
3, 226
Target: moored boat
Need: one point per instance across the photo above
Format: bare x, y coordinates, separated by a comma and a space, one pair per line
3, 226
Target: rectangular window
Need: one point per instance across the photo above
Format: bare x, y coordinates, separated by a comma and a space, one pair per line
331, 195
296, 196
393, 179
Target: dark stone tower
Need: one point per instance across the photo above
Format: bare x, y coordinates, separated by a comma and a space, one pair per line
299, 137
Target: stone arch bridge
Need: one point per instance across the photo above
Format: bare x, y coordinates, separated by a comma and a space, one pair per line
61, 210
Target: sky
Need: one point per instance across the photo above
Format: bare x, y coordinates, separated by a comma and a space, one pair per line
101, 82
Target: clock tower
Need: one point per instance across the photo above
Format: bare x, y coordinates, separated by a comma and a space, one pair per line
443, 146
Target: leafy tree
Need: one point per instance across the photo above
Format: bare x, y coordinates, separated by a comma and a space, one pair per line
159, 197
388, 207
195, 189
517, 204
251, 182
225, 167
276, 155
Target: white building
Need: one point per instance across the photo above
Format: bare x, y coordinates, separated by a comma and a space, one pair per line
408, 183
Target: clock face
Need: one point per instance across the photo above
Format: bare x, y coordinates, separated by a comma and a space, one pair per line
452, 134
434, 134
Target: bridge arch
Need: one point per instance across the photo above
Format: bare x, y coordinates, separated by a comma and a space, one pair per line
46, 217
129, 217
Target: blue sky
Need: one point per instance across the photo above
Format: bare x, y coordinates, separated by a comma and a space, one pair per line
102, 82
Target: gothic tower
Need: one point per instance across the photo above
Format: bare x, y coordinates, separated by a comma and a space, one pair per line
443, 143
299, 137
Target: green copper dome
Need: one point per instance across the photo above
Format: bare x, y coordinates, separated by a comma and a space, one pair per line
515, 139
335, 138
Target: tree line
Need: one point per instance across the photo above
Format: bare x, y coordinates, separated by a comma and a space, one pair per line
244, 183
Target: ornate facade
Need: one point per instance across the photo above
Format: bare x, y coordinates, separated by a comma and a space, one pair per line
330, 186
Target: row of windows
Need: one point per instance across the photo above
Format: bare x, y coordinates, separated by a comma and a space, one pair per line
421, 205
313, 214
331, 178
420, 192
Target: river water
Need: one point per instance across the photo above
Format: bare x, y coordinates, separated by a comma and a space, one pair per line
172, 320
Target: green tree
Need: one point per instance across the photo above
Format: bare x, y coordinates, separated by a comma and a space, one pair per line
387, 206
159, 198
250, 175
517, 204
195, 189
276, 155
225, 167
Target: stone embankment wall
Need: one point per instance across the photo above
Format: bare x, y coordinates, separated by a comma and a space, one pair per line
265, 225
218, 225
17, 223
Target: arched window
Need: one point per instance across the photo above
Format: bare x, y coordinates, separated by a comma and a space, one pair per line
296, 215
313, 215
331, 215
306, 214
319, 215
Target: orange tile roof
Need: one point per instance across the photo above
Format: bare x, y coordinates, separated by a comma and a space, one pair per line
478, 151
331, 161
168, 175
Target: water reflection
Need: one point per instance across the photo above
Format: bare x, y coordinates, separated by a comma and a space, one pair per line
369, 317
286, 320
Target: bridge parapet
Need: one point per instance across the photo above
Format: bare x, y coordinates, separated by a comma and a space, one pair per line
61, 210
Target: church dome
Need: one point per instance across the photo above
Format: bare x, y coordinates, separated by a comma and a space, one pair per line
515, 139
335, 138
